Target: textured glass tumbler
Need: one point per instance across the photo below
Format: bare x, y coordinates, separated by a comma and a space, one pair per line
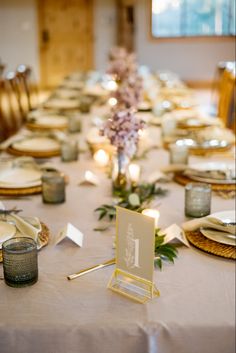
74, 124
168, 126
53, 187
197, 200
69, 151
20, 261
178, 154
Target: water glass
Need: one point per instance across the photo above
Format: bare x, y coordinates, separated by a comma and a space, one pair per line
69, 151
74, 124
53, 187
178, 154
197, 200
20, 261
168, 125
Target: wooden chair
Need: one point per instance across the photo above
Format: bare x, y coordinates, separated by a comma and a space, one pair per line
11, 117
226, 106
2, 68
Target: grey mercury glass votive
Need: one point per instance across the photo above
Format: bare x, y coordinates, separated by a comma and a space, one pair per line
74, 124
69, 151
197, 200
53, 187
20, 261
178, 154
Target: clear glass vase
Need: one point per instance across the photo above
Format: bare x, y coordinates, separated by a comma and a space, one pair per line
120, 178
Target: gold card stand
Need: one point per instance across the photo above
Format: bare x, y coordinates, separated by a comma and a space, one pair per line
133, 287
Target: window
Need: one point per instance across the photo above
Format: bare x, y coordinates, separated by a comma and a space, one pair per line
193, 18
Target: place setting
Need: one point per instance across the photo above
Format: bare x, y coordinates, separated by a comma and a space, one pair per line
37, 145
215, 233
220, 175
63, 104
47, 121
21, 238
22, 176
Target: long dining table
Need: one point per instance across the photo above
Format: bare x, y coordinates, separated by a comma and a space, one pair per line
194, 313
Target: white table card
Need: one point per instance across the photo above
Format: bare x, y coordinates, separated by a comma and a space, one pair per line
175, 233
135, 238
89, 179
72, 233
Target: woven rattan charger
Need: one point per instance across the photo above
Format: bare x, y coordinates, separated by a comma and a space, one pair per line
35, 154
203, 151
182, 179
37, 127
197, 239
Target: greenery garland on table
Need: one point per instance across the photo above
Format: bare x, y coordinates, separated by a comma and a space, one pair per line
137, 199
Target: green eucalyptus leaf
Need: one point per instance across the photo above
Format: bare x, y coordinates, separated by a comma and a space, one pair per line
134, 200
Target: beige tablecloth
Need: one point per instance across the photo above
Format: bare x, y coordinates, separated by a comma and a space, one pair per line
194, 314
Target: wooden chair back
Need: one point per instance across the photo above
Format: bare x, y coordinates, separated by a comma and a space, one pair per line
11, 117
226, 106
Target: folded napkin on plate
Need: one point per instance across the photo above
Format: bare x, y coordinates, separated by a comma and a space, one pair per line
226, 174
25, 226
209, 222
217, 133
30, 227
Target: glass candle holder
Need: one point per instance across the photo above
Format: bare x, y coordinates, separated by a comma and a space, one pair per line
168, 126
69, 151
178, 154
74, 124
197, 200
53, 187
85, 104
20, 261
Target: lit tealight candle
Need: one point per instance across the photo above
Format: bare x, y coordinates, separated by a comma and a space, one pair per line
111, 85
134, 173
101, 157
152, 213
112, 101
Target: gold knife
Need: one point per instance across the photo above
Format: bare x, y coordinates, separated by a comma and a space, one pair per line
90, 269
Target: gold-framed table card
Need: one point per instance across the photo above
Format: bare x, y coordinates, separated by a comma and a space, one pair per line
135, 239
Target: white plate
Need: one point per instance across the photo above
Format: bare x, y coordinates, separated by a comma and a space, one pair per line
62, 104
7, 231
95, 90
211, 166
19, 178
225, 216
211, 181
218, 236
73, 84
66, 93
51, 121
37, 144
144, 106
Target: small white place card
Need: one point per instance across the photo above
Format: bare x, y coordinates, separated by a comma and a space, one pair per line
72, 233
175, 233
89, 179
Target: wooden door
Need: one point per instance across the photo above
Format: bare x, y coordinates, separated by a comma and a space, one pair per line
66, 38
